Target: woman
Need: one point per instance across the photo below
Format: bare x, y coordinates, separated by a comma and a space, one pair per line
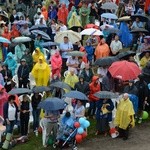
124, 116
41, 72
7, 75
38, 43
145, 59
35, 100
79, 110
145, 46
10, 110
103, 115
24, 115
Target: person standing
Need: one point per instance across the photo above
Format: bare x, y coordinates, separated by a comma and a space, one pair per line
23, 74
124, 116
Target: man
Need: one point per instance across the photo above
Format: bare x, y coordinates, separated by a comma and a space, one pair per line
124, 116
65, 47
40, 21
23, 74
115, 46
37, 15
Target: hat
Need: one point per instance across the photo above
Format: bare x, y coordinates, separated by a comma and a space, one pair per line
23, 60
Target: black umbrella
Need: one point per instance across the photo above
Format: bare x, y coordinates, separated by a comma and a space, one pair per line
105, 61
125, 55
44, 35
142, 18
20, 91
76, 28
38, 27
61, 85
76, 95
50, 104
105, 95
143, 53
137, 30
40, 89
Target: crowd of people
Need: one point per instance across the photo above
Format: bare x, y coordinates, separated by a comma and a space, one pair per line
90, 32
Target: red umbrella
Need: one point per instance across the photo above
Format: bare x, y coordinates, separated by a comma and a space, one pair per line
91, 26
124, 70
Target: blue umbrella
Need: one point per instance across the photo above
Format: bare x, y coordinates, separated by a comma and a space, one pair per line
48, 44
40, 89
42, 33
20, 91
38, 27
4, 40
109, 16
52, 104
76, 95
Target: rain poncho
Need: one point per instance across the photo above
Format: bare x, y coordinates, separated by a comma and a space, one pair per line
41, 73
144, 61
45, 13
19, 51
124, 113
38, 44
14, 32
10, 61
37, 54
6, 35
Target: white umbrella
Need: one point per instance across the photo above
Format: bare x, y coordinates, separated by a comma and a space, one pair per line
91, 31
109, 16
21, 39
106, 26
109, 5
72, 36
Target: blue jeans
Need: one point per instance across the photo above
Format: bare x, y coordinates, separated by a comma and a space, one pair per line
92, 108
36, 118
10, 127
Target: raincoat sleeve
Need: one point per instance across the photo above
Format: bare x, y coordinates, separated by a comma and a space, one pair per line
34, 71
110, 107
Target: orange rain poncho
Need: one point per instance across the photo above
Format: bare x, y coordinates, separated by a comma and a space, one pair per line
14, 32
44, 13
147, 4
41, 72
6, 35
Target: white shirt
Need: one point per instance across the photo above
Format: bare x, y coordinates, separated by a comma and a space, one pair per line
11, 112
102, 71
115, 46
65, 46
63, 28
37, 22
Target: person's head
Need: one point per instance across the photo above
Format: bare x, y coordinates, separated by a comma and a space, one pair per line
79, 103
63, 6
27, 51
73, 57
1, 44
23, 62
81, 78
116, 37
87, 66
66, 39
137, 19
14, 12
88, 42
5, 67
95, 79
125, 96
67, 115
92, 3
72, 71
145, 40
141, 77
147, 54
103, 41
39, 11
25, 98
37, 50
39, 37
11, 99
131, 82
41, 59
53, 21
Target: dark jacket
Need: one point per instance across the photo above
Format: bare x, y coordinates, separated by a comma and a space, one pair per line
5, 110
23, 72
24, 106
29, 60
35, 101
131, 90
8, 74
87, 78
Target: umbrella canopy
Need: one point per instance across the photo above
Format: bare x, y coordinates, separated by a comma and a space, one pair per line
124, 55
61, 85
72, 36
38, 27
124, 70
4, 40
50, 104
109, 5
142, 18
106, 27
21, 22
40, 89
91, 31
113, 30
137, 30
21, 39
143, 53
44, 35
20, 91
76, 95
91, 26
76, 28
105, 61
105, 95
76, 53
124, 18
109, 16
48, 44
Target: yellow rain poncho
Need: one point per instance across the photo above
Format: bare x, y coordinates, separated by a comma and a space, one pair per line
71, 79
41, 72
144, 61
124, 114
36, 55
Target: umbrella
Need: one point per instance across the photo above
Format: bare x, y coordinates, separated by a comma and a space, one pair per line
142, 18
40, 89
38, 27
20, 91
105, 95
143, 53
50, 104
48, 44
4, 15
106, 27
91, 26
20, 14
124, 70
109, 5
21, 22
124, 55
72, 36
4, 40
76, 53
91, 31
137, 30
43, 34
21, 39
105, 61
124, 18
76, 95
61, 85
76, 28
109, 16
